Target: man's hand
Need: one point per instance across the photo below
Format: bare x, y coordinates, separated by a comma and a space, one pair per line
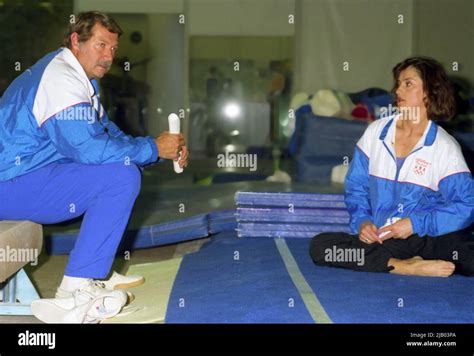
368, 233
170, 145
402, 229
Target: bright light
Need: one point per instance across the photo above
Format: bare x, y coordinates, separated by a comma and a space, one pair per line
230, 148
235, 133
232, 110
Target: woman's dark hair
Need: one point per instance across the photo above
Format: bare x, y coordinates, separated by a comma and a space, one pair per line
84, 23
440, 102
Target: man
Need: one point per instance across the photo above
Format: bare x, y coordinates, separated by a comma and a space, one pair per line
61, 157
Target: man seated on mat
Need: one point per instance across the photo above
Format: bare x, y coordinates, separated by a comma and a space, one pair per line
409, 192
61, 156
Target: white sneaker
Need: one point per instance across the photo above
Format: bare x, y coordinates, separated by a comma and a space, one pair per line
61, 293
119, 281
89, 304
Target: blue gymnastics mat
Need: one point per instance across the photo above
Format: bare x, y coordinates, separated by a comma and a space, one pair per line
361, 297
232, 280
268, 285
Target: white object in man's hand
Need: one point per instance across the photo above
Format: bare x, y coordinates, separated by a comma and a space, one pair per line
174, 126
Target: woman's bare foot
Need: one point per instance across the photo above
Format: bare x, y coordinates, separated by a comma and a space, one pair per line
417, 266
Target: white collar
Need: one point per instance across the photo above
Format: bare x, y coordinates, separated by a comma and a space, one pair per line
71, 59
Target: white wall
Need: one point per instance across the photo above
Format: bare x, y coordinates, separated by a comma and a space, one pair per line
445, 30
240, 17
165, 71
364, 33
131, 6
210, 17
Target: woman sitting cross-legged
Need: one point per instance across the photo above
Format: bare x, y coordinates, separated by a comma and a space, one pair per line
409, 192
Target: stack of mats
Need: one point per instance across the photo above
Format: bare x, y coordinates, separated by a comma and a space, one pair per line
290, 214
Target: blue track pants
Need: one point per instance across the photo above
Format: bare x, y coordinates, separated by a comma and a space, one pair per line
104, 194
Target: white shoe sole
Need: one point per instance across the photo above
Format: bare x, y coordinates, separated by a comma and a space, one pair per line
134, 284
50, 312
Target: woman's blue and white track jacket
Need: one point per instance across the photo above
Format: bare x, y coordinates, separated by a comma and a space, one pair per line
434, 187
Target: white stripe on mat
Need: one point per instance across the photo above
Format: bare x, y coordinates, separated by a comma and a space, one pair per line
310, 299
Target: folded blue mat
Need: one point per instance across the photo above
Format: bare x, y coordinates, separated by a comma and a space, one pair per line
362, 297
223, 220
287, 230
168, 233
149, 236
231, 280
295, 200
300, 215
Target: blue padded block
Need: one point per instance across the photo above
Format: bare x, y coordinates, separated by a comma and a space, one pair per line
365, 94
379, 100
60, 244
324, 136
297, 200
319, 143
316, 169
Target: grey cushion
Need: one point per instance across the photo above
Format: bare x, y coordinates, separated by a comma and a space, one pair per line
20, 243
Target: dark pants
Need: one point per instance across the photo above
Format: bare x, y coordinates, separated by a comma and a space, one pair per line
341, 249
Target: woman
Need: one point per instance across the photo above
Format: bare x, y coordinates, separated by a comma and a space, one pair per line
409, 192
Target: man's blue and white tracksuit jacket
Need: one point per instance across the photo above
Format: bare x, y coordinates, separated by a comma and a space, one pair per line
52, 113
434, 187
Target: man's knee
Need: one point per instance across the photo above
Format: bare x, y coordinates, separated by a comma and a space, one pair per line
127, 176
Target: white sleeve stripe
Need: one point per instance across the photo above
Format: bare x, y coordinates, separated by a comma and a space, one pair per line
451, 174
84, 102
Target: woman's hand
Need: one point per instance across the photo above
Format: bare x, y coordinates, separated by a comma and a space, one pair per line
402, 229
368, 233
